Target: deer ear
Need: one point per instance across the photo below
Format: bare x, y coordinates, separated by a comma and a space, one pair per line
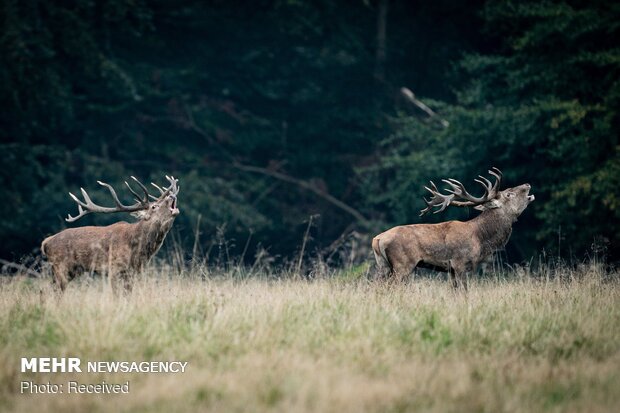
492, 204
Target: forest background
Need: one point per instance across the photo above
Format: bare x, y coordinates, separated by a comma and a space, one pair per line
276, 113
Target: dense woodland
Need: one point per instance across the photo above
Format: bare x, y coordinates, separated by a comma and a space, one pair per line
273, 112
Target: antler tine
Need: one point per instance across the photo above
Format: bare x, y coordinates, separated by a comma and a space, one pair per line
498, 179
76, 199
428, 203
135, 195
168, 189
486, 182
456, 185
425, 210
434, 190
437, 200
112, 193
488, 186
444, 204
458, 189
86, 198
146, 191
81, 212
161, 190
454, 181
173, 184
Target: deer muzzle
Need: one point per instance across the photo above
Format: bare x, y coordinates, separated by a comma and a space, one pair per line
530, 198
173, 205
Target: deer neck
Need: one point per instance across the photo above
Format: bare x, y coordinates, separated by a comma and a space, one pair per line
493, 229
151, 234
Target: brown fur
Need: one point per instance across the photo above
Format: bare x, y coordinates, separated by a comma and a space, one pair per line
119, 250
453, 246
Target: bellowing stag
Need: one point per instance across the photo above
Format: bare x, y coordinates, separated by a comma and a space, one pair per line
454, 246
121, 249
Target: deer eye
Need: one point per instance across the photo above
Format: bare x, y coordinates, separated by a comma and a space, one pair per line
510, 194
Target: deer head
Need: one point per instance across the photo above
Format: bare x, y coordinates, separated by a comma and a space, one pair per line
512, 201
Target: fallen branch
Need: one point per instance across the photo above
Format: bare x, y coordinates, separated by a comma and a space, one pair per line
408, 94
306, 185
19, 267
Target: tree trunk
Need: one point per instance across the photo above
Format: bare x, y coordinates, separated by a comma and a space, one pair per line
381, 40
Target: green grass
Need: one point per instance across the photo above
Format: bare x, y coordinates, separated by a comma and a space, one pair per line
332, 344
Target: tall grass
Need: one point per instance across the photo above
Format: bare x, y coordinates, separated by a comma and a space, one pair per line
518, 341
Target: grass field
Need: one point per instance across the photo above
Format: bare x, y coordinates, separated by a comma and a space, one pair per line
514, 343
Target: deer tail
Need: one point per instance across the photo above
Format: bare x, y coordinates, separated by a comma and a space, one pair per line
378, 249
43, 245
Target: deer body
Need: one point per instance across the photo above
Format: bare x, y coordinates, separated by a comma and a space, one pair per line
453, 246
118, 250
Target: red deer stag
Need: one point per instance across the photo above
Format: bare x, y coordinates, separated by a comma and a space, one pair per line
120, 249
454, 246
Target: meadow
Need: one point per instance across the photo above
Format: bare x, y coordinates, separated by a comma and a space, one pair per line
518, 341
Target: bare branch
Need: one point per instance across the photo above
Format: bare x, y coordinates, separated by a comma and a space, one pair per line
305, 185
408, 94
20, 267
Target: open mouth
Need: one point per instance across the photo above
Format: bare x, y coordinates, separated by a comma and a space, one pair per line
531, 198
173, 206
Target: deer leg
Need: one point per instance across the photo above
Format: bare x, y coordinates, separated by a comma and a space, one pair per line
453, 278
414, 269
400, 272
121, 282
127, 279
457, 273
382, 273
459, 276
458, 280
115, 281
469, 268
60, 277
464, 280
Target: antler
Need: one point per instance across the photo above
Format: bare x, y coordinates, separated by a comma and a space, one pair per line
458, 195
88, 206
146, 192
172, 189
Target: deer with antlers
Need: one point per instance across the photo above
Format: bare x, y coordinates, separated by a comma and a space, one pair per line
121, 249
454, 246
